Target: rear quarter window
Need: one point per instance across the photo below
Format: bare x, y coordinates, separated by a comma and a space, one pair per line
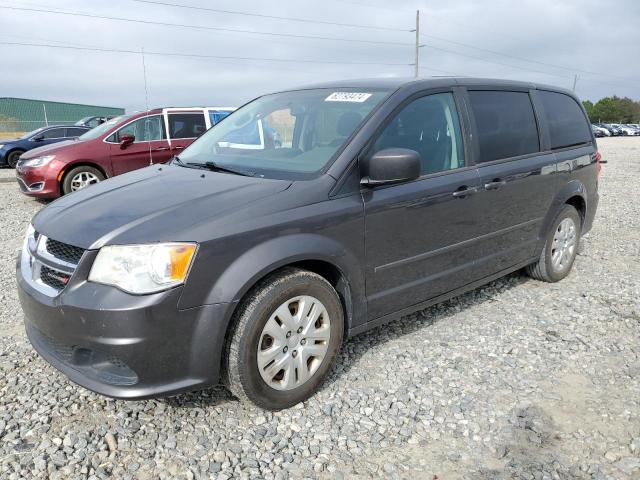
566, 122
505, 122
186, 125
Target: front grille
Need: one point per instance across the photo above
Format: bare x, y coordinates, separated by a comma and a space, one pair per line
49, 264
53, 278
63, 251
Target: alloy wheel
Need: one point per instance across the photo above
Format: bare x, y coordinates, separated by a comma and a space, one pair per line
82, 180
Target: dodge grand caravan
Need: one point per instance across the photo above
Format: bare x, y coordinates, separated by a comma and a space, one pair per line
252, 265
117, 146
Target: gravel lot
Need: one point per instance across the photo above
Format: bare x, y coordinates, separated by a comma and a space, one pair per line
519, 379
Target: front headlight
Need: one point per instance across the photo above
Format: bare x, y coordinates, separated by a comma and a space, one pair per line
143, 268
28, 236
1, 145
37, 161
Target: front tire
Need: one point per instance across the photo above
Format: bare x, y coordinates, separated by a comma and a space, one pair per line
13, 157
560, 248
81, 177
287, 333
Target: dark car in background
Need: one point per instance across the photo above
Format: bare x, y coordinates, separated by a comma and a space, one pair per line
251, 262
11, 150
117, 146
93, 122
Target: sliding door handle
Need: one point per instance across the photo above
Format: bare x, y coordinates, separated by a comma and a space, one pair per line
494, 185
464, 191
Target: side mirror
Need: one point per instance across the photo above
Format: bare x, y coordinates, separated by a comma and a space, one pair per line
39, 138
126, 140
391, 165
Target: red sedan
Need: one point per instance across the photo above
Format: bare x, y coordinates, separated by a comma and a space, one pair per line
117, 146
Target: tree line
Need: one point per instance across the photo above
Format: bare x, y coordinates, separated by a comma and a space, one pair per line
613, 110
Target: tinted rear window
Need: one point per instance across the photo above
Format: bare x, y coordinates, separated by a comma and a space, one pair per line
186, 125
506, 124
567, 124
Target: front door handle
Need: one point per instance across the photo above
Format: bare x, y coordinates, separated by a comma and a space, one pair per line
464, 191
494, 185
161, 149
178, 147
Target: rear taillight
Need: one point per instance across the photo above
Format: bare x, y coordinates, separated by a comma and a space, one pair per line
598, 157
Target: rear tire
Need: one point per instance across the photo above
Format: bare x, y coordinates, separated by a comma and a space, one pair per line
81, 177
13, 157
280, 369
560, 248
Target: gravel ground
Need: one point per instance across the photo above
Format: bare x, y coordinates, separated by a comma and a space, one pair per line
7, 175
519, 379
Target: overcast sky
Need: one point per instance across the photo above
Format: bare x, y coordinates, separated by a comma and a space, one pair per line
598, 40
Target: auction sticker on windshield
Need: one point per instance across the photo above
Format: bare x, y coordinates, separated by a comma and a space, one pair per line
347, 97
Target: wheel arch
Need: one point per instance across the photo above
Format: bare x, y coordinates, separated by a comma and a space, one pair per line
80, 163
574, 193
13, 150
313, 252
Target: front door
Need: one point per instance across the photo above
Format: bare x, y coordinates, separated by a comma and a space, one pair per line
150, 145
419, 235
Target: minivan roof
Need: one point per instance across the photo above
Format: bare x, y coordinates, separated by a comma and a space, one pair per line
431, 82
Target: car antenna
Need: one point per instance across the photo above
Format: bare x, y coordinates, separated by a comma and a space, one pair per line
146, 100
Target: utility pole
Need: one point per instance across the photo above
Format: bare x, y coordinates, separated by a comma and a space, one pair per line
417, 60
575, 80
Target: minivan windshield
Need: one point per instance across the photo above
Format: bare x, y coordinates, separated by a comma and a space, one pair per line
103, 128
289, 135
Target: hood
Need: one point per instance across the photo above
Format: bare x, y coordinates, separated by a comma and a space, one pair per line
154, 204
48, 149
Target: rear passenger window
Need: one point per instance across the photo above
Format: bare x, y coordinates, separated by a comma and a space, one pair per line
186, 125
430, 126
506, 124
567, 123
53, 133
75, 132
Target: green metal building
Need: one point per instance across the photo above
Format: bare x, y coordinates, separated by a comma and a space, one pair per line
23, 115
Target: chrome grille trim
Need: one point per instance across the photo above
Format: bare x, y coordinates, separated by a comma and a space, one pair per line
35, 257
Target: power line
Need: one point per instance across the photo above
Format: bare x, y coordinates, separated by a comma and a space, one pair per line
493, 61
197, 55
275, 17
475, 27
202, 27
571, 69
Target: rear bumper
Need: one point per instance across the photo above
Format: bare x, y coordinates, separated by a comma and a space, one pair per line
592, 207
125, 346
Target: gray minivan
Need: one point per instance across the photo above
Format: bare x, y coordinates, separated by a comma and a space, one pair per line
250, 261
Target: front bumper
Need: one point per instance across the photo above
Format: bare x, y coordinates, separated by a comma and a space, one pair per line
41, 182
121, 345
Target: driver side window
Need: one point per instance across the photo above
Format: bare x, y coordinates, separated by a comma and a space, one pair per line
146, 129
430, 126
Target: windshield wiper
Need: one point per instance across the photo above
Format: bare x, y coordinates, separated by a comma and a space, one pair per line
177, 160
214, 167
